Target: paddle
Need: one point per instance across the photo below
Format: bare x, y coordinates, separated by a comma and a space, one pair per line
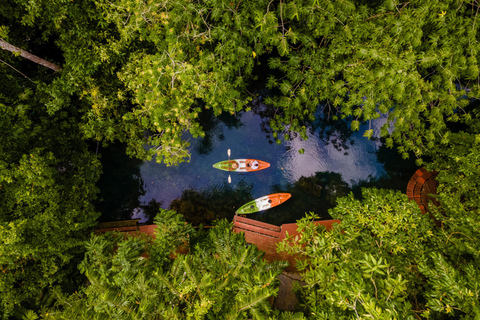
229, 178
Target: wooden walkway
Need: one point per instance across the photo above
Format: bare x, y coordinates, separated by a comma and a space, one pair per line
266, 236
129, 226
263, 235
420, 187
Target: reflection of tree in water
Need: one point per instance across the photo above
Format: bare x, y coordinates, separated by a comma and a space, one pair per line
398, 171
337, 133
151, 209
268, 113
203, 207
210, 125
316, 193
120, 184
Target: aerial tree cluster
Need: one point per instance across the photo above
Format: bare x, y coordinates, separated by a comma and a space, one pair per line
386, 260
74, 73
47, 185
145, 69
220, 278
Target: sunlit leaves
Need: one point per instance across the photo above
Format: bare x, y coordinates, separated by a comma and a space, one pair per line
453, 290
368, 133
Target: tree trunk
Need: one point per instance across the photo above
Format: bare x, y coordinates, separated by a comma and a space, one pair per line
7, 46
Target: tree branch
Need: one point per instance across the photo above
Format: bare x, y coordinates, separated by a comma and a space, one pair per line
16, 70
7, 46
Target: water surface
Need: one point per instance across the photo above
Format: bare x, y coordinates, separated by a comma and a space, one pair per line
334, 162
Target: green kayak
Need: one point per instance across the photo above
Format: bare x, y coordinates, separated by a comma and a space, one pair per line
241, 165
264, 203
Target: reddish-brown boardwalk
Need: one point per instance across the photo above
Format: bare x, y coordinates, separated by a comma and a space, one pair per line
129, 226
263, 235
421, 186
420, 189
266, 236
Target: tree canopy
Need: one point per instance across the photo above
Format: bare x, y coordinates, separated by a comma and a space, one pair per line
221, 277
47, 183
144, 70
141, 72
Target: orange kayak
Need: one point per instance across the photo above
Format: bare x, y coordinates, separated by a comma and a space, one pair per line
264, 203
242, 165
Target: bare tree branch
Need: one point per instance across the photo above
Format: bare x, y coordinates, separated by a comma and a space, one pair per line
16, 70
7, 46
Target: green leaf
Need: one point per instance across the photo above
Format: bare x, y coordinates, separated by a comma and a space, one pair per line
355, 125
368, 133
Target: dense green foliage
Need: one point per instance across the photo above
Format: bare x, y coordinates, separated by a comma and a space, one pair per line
141, 72
359, 268
409, 60
47, 183
453, 268
386, 260
220, 278
142, 68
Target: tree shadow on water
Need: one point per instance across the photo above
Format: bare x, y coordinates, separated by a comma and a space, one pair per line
317, 193
120, 184
338, 133
398, 172
203, 207
150, 210
211, 126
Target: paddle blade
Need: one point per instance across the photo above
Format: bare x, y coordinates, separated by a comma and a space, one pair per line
229, 179
228, 152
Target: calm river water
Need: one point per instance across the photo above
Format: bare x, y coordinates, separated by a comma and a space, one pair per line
335, 162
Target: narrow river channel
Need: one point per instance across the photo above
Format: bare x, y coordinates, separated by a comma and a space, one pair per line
334, 162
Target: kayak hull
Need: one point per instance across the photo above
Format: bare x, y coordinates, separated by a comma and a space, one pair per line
264, 203
241, 165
